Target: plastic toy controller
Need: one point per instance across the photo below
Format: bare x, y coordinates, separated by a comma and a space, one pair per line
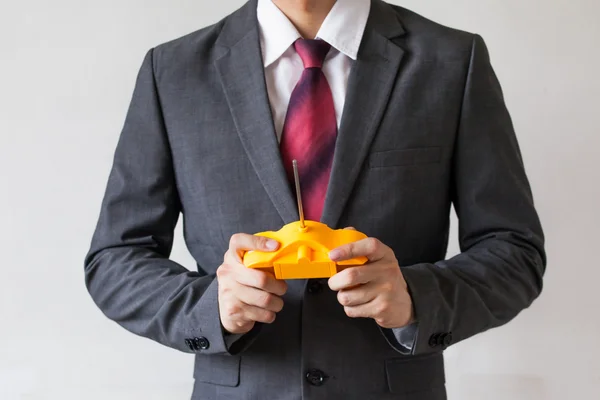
303, 251
304, 248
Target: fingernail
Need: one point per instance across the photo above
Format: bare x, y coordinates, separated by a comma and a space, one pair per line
272, 244
335, 254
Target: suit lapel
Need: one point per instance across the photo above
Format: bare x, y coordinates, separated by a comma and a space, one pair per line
369, 87
241, 72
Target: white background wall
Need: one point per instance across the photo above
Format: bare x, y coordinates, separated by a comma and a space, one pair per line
67, 70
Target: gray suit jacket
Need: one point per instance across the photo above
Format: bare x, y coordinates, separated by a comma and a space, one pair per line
425, 126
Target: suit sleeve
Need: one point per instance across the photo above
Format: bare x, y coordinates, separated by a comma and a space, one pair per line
127, 269
502, 261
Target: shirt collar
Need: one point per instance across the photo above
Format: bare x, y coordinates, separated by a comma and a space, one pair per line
343, 28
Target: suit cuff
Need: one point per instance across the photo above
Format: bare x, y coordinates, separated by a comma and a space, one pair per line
231, 338
210, 337
237, 342
431, 312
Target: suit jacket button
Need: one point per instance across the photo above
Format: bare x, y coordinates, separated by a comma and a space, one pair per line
434, 340
315, 377
314, 287
447, 339
201, 343
190, 344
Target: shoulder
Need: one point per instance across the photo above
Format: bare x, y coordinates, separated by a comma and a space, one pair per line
199, 43
196, 49
431, 38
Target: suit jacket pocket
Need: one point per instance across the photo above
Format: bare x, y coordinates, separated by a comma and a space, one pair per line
415, 374
400, 157
218, 369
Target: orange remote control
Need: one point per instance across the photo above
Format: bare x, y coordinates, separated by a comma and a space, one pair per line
304, 248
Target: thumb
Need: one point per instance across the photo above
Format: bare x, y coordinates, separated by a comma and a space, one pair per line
349, 228
264, 243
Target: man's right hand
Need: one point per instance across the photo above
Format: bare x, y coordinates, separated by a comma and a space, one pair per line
247, 295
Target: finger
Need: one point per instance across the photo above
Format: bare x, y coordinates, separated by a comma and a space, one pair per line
260, 280
257, 314
241, 242
252, 277
259, 298
351, 277
238, 327
231, 258
360, 311
237, 323
355, 297
349, 228
235, 260
371, 248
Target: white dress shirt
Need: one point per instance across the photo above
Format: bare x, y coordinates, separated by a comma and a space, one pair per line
343, 29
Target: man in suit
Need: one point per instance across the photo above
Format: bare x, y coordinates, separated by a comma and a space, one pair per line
393, 118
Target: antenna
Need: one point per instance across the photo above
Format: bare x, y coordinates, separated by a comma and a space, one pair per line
298, 194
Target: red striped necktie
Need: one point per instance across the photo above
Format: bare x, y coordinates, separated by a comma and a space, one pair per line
310, 128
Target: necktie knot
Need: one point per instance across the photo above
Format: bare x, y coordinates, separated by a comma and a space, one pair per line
312, 52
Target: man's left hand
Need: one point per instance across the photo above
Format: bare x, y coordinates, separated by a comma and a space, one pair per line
376, 289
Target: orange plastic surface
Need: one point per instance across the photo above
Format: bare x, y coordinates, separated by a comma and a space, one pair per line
303, 252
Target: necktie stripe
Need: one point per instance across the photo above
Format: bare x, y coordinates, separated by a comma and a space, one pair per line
316, 166
310, 86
